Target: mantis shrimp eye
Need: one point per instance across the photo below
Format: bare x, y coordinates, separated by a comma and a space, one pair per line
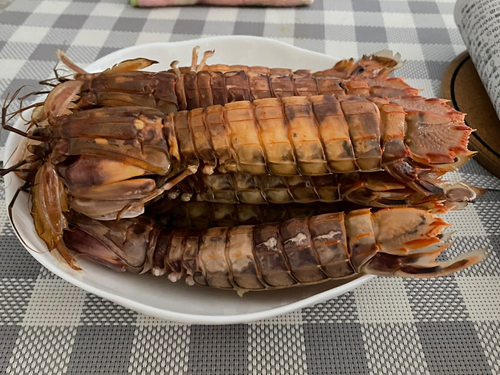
40, 150
42, 134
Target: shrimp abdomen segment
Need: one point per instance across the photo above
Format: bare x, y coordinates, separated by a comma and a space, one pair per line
220, 136
241, 258
304, 135
329, 239
202, 140
364, 127
245, 138
334, 132
274, 134
268, 249
393, 132
212, 256
361, 233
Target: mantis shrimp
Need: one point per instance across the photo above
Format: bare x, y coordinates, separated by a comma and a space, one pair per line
391, 242
260, 135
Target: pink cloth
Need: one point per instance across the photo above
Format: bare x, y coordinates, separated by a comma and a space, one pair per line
267, 3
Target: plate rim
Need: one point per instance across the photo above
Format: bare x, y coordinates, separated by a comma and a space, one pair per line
168, 314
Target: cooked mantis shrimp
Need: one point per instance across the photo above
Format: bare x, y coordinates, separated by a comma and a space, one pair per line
391, 242
370, 139
105, 156
201, 85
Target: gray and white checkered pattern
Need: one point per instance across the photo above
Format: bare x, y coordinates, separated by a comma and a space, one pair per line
389, 326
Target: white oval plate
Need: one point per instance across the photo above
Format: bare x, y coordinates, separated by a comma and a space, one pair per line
157, 296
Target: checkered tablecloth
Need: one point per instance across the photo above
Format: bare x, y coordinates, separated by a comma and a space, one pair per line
388, 326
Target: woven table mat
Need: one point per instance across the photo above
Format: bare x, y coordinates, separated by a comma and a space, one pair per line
388, 326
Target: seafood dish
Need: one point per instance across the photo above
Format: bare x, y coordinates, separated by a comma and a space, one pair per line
244, 177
